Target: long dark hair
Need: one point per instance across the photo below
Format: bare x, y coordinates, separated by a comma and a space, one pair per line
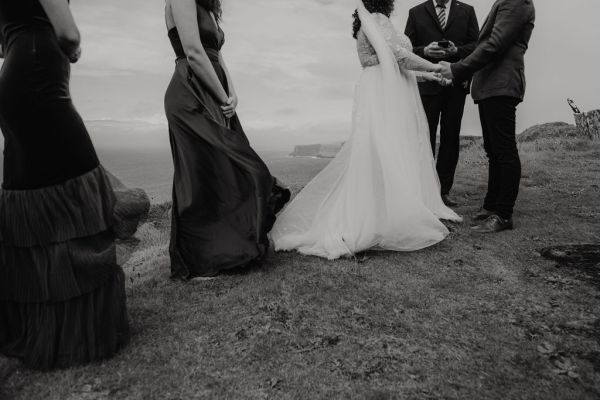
385, 7
212, 5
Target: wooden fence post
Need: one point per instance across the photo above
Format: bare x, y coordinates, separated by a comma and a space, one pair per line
589, 124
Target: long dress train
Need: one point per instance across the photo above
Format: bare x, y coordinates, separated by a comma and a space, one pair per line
381, 191
224, 197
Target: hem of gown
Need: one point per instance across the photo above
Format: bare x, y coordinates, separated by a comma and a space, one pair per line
55, 335
280, 195
79, 207
313, 250
181, 271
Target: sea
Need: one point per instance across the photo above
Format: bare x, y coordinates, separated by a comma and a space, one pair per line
152, 169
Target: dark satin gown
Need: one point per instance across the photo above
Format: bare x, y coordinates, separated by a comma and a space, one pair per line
62, 294
224, 197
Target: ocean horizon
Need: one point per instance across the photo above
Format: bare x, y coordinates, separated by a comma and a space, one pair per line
151, 169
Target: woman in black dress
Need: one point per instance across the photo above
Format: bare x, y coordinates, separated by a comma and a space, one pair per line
62, 294
224, 197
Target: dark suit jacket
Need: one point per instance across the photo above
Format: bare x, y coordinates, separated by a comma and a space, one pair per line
423, 27
498, 62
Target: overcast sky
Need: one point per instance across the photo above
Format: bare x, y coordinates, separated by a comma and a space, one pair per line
294, 64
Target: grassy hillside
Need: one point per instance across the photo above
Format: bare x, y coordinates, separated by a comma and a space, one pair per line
475, 317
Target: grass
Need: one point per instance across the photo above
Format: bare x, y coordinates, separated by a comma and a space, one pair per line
475, 317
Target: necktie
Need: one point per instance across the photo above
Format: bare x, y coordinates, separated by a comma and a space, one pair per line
441, 12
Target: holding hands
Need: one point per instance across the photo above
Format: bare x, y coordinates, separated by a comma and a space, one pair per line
442, 50
445, 70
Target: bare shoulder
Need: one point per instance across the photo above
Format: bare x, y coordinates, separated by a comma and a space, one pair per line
181, 4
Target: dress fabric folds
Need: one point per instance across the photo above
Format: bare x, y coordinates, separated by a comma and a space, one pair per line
62, 293
381, 191
224, 197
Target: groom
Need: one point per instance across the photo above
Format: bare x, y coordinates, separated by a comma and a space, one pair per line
444, 30
497, 67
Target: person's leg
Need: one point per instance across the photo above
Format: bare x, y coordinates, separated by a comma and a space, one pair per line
452, 113
507, 159
433, 106
485, 112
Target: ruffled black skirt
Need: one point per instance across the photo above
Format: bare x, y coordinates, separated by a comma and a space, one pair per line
62, 294
224, 197
88, 328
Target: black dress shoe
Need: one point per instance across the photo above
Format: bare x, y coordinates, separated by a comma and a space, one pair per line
448, 201
483, 214
494, 224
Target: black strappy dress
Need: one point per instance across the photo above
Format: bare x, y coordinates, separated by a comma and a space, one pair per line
224, 197
62, 294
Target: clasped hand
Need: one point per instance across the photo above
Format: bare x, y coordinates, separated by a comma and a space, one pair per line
229, 107
73, 58
445, 70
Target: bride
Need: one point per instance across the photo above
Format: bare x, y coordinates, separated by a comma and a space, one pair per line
381, 191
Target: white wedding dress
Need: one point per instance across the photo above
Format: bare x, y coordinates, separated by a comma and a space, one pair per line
382, 190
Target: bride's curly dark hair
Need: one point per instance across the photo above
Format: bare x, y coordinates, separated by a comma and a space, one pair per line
385, 7
214, 6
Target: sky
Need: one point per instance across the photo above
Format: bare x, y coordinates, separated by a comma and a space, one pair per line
294, 65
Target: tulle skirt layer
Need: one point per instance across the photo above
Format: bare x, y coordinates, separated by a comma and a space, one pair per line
381, 191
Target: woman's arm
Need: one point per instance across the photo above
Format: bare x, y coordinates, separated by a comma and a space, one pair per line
62, 20
184, 15
406, 59
232, 102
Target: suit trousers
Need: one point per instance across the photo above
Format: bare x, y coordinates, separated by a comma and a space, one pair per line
446, 109
498, 122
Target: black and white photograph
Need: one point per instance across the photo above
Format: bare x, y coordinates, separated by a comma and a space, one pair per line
299, 199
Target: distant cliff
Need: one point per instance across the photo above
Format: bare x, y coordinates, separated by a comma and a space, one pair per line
331, 150
317, 150
548, 130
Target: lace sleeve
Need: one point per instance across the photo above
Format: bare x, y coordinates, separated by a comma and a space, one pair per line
405, 57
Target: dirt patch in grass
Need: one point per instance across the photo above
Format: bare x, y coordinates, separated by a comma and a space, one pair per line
583, 259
